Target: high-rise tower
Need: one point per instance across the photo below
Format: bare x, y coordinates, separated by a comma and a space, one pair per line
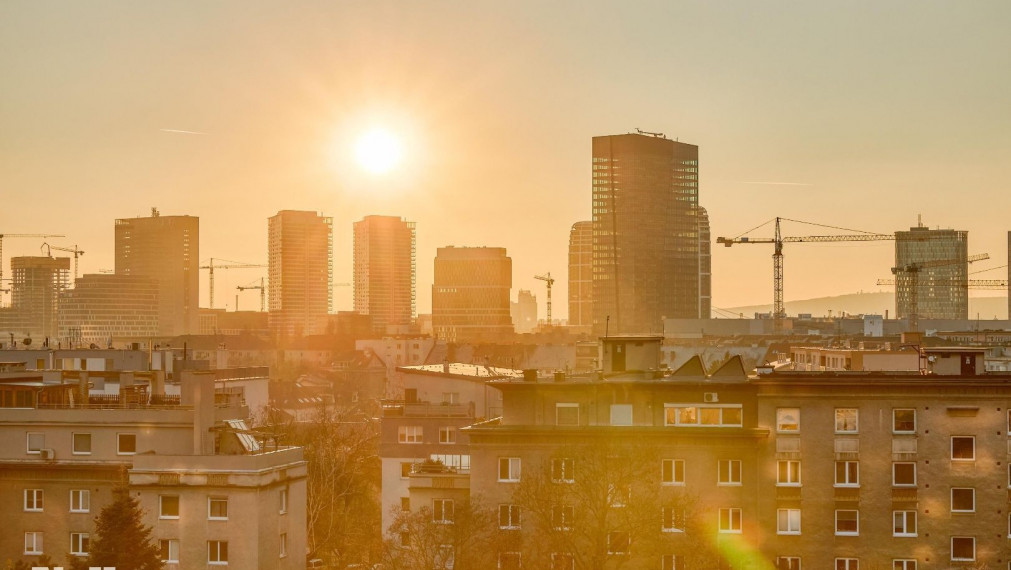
938, 294
581, 274
645, 232
384, 270
300, 269
166, 249
470, 296
705, 266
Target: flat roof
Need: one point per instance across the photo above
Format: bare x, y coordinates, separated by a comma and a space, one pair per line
463, 370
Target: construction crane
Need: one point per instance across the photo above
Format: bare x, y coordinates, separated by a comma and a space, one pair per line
912, 270
74, 250
2, 236
263, 295
778, 307
228, 265
547, 278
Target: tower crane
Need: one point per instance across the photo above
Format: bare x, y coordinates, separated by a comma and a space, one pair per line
778, 307
73, 250
263, 294
547, 278
2, 236
228, 265
912, 271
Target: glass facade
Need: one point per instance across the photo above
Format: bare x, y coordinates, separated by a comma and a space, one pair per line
942, 291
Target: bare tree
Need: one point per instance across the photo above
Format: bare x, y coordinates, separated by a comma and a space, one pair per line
462, 539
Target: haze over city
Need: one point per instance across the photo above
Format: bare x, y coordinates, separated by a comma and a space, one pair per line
859, 114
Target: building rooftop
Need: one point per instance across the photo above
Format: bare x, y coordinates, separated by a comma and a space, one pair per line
463, 370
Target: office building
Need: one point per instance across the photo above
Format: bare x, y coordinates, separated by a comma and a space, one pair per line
581, 274
470, 296
935, 264
36, 286
300, 269
705, 266
384, 270
166, 249
104, 308
645, 232
524, 312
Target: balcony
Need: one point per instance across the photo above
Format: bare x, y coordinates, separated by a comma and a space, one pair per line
401, 408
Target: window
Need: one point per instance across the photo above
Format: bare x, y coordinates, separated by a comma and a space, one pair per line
509, 561
702, 415
80, 500
563, 561
903, 565
169, 549
282, 501
410, 434
672, 472
788, 563
79, 543
904, 474
847, 564
963, 548
618, 494
788, 521
621, 414
217, 552
617, 542
789, 473
904, 420
447, 435
904, 523
442, 510
561, 516
729, 472
672, 562
282, 545
405, 504
673, 519
847, 522
33, 542
36, 441
847, 474
33, 500
566, 414
562, 470
82, 443
509, 469
508, 516
168, 507
846, 420
788, 420
445, 557
217, 508
126, 443
963, 500
730, 520
963, 448
450, 397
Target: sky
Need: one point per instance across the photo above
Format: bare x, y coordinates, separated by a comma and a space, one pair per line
865, 115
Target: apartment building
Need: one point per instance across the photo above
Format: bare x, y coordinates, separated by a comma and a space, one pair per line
215, 493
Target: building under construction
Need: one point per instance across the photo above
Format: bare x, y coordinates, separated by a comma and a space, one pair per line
935, 263
101, 309
36, 285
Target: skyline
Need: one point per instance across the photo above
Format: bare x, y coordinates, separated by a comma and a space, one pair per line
111, 110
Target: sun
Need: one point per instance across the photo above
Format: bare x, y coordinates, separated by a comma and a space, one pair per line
378, 151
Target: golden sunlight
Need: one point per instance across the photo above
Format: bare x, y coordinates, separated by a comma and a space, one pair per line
378, 151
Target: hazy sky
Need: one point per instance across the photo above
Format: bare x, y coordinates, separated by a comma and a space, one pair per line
876, 111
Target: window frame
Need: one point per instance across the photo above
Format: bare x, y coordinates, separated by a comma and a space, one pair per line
559, 558
282, 499
565, 468
971, 438
856, 520
161, 507
849, 563
171, 545
508, 554
73, 442
565, 515
119, 443
672, 411
904, 563
83, 498
790, 472
440, 515
38, 544
972, 494
847, 482
856, 421
513, 469
566, 406
447, 435
282, 545
780, 412
895, 421
895, 482
511, 517
905, 515
789, 530
627, 543
670, 514
75, 545
729, 473
28, 442
674, 480
214, 557
789, 560
621, 409
38, 500
211, 500
410, 435
729, 514
951, 544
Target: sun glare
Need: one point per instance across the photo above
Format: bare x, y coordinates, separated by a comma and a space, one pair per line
378, 151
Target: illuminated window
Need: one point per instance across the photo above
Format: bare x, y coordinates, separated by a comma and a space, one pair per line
730, 520
788, 420
788, 521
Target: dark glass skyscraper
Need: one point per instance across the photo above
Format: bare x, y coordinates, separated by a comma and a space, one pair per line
645, 232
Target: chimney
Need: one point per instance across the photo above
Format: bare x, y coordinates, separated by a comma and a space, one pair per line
198, 392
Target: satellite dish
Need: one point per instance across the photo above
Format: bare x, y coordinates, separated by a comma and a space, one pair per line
27, 342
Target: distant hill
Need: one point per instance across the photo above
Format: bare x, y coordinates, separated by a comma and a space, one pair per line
869, 304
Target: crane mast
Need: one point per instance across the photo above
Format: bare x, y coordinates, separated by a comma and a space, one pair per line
547, 278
